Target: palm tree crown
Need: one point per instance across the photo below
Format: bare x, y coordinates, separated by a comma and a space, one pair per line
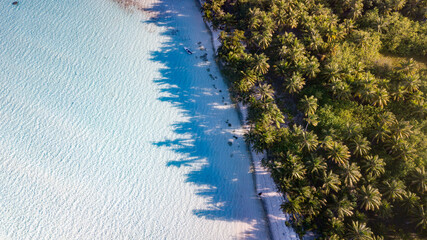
351, 174
359, 231
370, 198
338, 153
331, 182
373, 166
394, 190
295, 83
261, 64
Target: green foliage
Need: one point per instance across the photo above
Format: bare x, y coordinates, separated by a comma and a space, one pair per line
399, 34
351, 156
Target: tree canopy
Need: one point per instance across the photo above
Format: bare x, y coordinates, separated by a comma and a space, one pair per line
336, 96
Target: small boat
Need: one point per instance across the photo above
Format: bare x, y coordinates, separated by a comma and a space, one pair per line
188, 50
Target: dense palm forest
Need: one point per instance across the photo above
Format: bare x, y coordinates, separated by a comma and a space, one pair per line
336, 96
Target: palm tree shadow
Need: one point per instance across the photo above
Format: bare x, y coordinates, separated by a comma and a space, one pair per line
201, 128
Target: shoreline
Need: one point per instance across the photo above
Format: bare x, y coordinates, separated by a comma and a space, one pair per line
270, 196
271, 199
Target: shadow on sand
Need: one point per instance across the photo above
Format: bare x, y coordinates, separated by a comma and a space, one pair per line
216, 181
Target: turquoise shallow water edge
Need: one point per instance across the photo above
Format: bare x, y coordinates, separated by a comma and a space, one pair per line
109, 130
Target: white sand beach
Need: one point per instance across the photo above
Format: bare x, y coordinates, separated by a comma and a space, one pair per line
110, 130
271, 198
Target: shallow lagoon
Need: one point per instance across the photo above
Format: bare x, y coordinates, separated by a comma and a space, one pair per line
109, 130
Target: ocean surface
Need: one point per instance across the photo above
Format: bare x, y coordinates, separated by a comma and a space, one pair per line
110, 130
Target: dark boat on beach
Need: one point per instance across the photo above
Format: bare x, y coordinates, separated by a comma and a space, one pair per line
188, 50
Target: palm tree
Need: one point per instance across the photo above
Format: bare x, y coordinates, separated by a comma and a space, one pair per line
311, 120
313, 206
387, 119
298, 171
282, 68
348, 25
340, 89
412, 83
356, 9
381, 133
292, 206
261, 64
297, 53
309, 105
410, 201
312, 67
316, 41
344, 208
401, 129
394, 190
328, 141
370, 198
337, 226
373, 166
265, 93
417, 98
309, 141
352, 130
399, 93
380, 98
254, 20
295, 83
351, 174
400, 148
317, 165
249, 78
398, 4
366, 92
332, 71
360, 146
419, 179
272, 115
263, 40
284, 51
338, 153
279, 13
407, 66
420, 217
295, 170
331, 181
359, 231
395, 144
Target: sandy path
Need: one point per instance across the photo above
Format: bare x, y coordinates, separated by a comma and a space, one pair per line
270, 196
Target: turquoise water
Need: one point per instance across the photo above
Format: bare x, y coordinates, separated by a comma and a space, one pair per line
109, 130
